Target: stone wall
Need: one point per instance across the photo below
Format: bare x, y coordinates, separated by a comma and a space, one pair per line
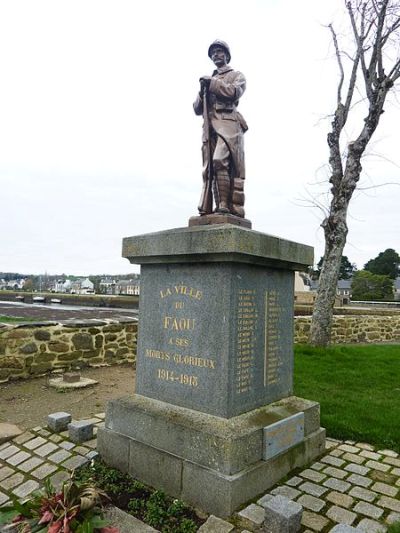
36, 348
353, 329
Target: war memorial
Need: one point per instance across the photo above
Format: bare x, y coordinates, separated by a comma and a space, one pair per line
213, 420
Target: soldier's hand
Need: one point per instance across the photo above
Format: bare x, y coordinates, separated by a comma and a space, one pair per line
205, 81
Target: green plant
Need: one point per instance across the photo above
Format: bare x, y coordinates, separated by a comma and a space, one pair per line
75, 509
394, 528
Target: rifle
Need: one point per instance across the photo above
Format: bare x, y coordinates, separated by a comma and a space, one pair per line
205, 206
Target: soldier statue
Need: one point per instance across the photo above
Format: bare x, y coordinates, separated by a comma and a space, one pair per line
223, 128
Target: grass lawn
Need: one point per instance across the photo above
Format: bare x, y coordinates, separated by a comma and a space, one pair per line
16, 319
358, 387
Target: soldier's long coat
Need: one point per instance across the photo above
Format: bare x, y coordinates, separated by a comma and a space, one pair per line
226, 87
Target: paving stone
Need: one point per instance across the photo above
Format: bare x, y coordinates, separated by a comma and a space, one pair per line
11, 482
284, 490
100, 415
58, 479
74, 462
335, 472
363, 494
311, 503
388, 453
333, 461
385, 489
357, 469
371, 455
26, 488
264, 499
37, 428
31, 464
64, 434
365, 446
67, 445
378, 466
313, 489
356, 479
352, 442
81, 450
342, 500
370, 526
314, 521
19, 457
252, 515
216, 525
395, 472
55, 438
49, 447
393, 518
27, 435
317, 466
59, 456
35, 443
353, 458
92, 455
343, 528
3, 498
44, 433
91, 443
44, 471
389, 503
336, 452
6, 471
391, 461
4, 445
348, 448
7, 452
368, 510
9, 431
382, 477
340, 515
294, 481
398, 483
337, 484
312, 475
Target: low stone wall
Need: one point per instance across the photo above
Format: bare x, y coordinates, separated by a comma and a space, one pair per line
36, 348
353, 329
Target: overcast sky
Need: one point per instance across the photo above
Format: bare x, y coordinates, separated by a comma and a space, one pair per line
98, 139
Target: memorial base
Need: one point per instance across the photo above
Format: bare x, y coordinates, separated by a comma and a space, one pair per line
212, 463
219, 218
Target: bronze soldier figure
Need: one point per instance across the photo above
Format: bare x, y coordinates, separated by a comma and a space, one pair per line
223, 128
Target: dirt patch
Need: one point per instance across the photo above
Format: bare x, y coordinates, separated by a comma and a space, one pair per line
28, 402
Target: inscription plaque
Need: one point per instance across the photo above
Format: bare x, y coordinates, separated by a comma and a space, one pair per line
215, 338
283, 435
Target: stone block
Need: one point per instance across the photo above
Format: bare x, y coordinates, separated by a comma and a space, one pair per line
282, 515
216, 525
58, 421
113, 449
82, 341
8, 432
71, 377
80, 431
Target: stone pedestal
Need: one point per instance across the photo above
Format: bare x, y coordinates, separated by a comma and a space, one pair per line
213, 420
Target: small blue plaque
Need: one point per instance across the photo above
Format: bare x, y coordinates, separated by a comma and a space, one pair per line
282, 435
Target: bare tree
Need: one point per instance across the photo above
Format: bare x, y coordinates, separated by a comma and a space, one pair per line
374, 70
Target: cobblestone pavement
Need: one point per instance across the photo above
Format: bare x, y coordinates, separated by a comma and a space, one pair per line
353, 483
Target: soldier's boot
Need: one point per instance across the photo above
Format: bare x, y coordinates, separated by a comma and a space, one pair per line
223, 187
238, 197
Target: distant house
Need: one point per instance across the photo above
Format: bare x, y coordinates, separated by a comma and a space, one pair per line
82, 286
107, 286
343, 290
12, 284
124, 286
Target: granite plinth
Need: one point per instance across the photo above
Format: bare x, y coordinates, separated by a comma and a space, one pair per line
215, 327
219, 218
213, 463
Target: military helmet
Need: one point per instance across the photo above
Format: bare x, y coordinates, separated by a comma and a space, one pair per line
221, 44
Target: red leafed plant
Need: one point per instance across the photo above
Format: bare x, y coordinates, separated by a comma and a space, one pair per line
77, 508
